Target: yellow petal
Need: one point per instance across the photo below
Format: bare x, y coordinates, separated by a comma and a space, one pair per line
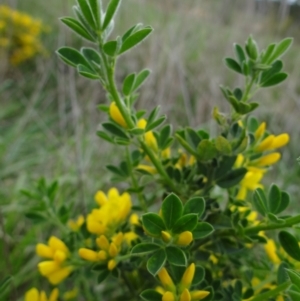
280, 141
165, 279
199, 295
184, 238
166, 236
95, 227
87, 254
116, 115
239, 160
168, 296
103, 242
102, 255
48, 267
134, 219
70, 294
32, 295
129, 237
60, 275
113, 250
268, 159
112, 194
260, 131
56, 244
151, 140
150, 169
111, 264
60, 256
185, 296
142, 123
118, 239
188, 276
100, 198
54, 295
44, 251
43, 296
265, 144
270, 248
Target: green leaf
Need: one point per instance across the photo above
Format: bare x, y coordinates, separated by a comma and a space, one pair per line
194, 205
131, 30
274, 198
145, 248
199, 275
274, 80
233, 65
128, 84
280, 49
282, 275
153, 114
156, 262
4, 283
140, 79
206, 150
223, 145
294, 295
290, 244
295, 277
153, 224
156, 123
251, 48
71, 56
110, 48
36, 217
135, 39
274, 219
91, 55
260, 201
105, 136
232, 178
239, 52
117, 171
202, 230
115, 130
151, 295
176, 256
171, 209
187, 222
87, 13
268, 53
110, 12
275, 68
192, 137
164, 136
87, 72
77, 28
96, 10
285, 200
136, 131
225, 166
102, 276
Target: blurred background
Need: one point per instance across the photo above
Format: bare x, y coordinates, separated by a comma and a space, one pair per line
49, 115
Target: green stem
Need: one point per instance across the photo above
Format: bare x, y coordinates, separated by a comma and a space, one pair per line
159, 167
135, 182
126, 115
289, 222
272, 293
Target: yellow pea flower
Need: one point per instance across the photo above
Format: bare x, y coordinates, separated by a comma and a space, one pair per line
188, 276
268, 159
184, 238
116, 115
34, 295
168, 296
185, 296
270, 249
75, 225
199, 295
166, 280
260, 131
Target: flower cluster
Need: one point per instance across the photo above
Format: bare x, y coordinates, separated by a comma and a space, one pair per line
257, 157
20, 35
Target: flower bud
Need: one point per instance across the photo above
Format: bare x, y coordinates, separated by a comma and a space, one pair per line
268, 159
188, 276
199, 295
116, 115
168, 296
111, 264
88, 254
185, 296
165, 279
184, 238
166, 236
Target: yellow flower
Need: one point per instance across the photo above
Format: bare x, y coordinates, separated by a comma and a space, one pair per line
184, 238
166, 236
70, 294
270, 249
150, 169
168, 296
199, 295
268, 159
34, 295
250, 182
260, 131
54, 270
111, 214
272, 142
75, 225
166, 280
188, 276
116, 115
149, 136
